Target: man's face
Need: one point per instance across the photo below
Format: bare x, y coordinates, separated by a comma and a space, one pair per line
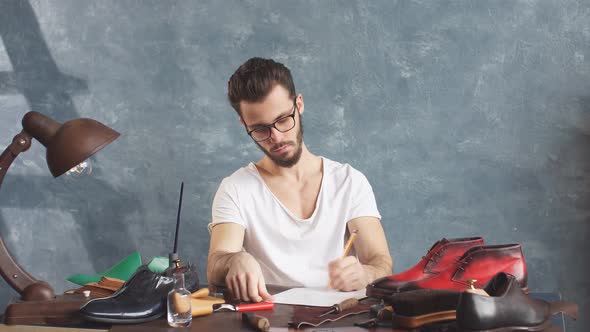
283, 148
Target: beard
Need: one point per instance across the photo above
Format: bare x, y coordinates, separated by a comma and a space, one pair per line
286, 161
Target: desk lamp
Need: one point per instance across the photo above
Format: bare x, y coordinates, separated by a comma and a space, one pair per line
68, 146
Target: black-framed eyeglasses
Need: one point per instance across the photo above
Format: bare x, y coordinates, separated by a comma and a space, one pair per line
284, 124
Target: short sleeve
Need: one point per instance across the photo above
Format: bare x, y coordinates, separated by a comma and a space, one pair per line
362, 199
225, 207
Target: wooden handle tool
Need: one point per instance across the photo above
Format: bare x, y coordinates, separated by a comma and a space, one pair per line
203, 292
203, 306
256, 321
201, 310
339, 307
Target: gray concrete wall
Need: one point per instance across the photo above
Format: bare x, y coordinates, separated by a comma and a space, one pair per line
468, 117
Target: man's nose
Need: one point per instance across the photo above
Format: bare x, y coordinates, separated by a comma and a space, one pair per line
275, 135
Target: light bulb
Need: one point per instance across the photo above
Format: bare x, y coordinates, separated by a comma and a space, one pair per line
82, 169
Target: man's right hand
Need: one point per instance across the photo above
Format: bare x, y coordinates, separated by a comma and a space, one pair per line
244, 279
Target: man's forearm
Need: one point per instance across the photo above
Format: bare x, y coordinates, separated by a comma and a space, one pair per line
378, 267
218, 264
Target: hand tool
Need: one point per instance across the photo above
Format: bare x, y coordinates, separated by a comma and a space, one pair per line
203, 292
204, 306
256, 321
244, 307
201, 310
381, 311
339, 307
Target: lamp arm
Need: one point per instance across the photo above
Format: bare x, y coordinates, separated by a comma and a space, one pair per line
15, 276
20, 143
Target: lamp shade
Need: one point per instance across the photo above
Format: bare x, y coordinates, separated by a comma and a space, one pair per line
68, 144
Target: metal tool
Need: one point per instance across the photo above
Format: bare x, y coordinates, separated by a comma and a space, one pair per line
381, 311
339, 307
173, 256
256, 321
203, 307
244, 307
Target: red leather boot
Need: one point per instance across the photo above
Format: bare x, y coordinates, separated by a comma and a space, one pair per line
480, 264
441, 255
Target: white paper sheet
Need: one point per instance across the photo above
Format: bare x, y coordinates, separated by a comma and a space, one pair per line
316, 297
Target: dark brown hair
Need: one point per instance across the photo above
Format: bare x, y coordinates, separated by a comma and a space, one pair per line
254, 79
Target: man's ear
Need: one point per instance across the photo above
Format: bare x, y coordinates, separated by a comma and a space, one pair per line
299, 102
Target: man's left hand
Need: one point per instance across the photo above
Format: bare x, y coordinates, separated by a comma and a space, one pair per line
347, 274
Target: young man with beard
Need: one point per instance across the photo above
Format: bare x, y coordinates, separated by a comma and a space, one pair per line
283, 220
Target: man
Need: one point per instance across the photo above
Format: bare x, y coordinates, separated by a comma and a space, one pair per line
283, 220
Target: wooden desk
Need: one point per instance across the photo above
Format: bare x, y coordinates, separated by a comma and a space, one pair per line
232, 321
219, 321
30, 328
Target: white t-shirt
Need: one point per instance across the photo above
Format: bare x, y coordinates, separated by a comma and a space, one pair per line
294, 251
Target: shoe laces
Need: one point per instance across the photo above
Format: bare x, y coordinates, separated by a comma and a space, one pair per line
460, 264
434, 257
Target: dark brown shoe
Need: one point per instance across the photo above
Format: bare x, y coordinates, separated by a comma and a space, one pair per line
507, 308
414, 309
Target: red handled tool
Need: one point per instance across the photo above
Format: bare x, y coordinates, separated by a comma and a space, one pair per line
202, 308
244, 307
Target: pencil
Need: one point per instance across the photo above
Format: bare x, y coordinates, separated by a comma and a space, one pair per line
347, 248
349, 243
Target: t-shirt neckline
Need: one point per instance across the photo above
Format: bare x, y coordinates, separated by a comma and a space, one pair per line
253, 167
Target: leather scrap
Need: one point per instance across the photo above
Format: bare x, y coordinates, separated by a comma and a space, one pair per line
103, 288
122, 270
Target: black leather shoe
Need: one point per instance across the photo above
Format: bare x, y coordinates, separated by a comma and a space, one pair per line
507, 308
142, 298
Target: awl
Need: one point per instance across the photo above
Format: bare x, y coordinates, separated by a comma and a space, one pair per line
340, 307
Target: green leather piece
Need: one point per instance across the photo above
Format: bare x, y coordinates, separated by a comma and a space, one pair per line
158, 264
122, 270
